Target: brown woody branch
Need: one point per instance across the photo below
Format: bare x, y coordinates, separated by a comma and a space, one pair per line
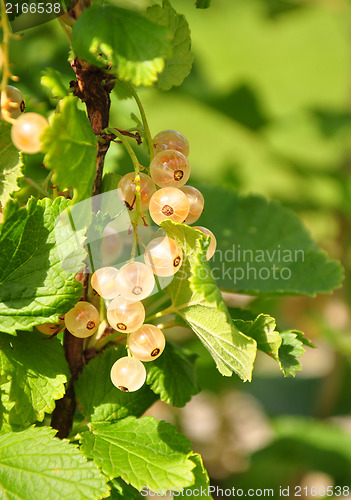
93, 87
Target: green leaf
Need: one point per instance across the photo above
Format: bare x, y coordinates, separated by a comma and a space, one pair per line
292, 347
36, 465
34, 287
122, 90
203, 4
36, 371
99, 400
110, 182
52, 80
144, 451
120, 490
179, 62
71, 147
10, 164
202, 482
197, 299
173, 376
262, 329
284, 347
134, 44
264, 248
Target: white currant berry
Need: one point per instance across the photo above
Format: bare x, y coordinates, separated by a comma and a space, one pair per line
112, 245
51, 328
125, 316
171, 139
104, 282
127, 187
170, 169
164, 256
12, 106
169, 203
83, 320
27, 131
147, 343
135, 281
196, 202
128, 374
213, 242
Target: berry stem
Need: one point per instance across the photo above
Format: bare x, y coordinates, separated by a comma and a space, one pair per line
168, 310
147, 132
36, 186
136, 164
93, 87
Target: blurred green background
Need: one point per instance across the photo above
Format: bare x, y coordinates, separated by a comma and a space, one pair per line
266, 109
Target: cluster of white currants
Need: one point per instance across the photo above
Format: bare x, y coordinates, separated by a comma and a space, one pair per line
169, 170
125, 288
27, 128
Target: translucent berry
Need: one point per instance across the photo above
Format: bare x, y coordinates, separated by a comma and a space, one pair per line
213, 242
147, 343
125, 316
196, 201
83, 320
164, 256
169, 203
26, 132
128, 374
111, 246
170, 169
51, 328
127, 186
135, 281
13, 105
170, 139
104, 282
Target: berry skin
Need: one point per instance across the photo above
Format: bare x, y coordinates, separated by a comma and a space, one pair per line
125, 316
26, 132
50, 328
128, 374
104, 282
164, 256
83, 320
169, 203
196, 201
126, 190
147, 343
111, 246
135, 281
171, 139
13, 106
213, 242
170, 169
